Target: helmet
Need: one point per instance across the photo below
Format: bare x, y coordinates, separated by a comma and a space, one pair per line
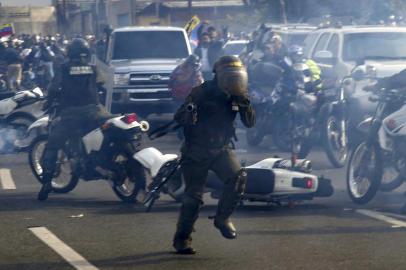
231, 75
296, 53
78, 49
295, 50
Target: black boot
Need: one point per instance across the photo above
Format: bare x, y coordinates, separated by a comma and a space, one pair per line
229, 200
189, 213
46, 187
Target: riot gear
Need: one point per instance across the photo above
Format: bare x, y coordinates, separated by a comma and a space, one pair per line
207, 147
74, 89
231, 76
78, 50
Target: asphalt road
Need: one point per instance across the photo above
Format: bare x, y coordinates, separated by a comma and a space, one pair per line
94, 230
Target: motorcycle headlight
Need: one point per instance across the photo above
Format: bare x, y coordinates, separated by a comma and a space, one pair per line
121, 79
349, 86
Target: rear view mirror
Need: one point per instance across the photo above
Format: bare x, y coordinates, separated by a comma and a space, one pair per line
324, 55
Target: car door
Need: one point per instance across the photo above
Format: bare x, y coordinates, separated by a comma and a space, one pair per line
329, 66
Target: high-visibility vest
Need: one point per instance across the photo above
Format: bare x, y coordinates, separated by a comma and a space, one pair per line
316, 72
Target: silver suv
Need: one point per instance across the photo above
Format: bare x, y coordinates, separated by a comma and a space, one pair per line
338, 50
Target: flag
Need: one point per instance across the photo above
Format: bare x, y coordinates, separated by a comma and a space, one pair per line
6, 29
192, 24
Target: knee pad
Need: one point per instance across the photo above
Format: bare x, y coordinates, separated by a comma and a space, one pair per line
238, 182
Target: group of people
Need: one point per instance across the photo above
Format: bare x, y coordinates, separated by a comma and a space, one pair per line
26, 60
206, 147
31, 60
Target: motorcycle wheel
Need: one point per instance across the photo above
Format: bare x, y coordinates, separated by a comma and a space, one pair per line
254, 136
364, 173
135, 180
63, 181
332, 135
19, 125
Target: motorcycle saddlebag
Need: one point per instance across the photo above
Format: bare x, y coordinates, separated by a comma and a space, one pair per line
259, 181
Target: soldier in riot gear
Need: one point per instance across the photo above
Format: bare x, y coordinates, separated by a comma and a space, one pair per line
207, 117
74, 90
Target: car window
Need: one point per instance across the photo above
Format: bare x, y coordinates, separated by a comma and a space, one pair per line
377, 46
333, 45
309, 42
149, 44
321, 44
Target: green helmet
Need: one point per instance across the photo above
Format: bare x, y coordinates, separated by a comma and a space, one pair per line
231, 75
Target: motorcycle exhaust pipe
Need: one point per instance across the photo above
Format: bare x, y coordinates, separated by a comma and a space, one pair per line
144, 125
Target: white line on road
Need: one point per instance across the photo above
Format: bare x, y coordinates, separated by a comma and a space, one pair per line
376, 215
66, 252
6, 179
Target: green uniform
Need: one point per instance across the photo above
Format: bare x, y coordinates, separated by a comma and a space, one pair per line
207, 117
74, 89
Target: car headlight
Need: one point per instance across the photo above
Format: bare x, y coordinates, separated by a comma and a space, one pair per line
121, 79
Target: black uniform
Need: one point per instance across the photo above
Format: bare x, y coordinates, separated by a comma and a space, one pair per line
208, 116
74, 90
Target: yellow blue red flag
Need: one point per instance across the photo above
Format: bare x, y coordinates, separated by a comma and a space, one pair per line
6, 29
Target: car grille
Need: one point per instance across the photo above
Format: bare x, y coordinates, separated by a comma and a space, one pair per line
153, 95
149, 80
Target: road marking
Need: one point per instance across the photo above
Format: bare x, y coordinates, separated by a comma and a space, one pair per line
66, 252
373, 214
6, 179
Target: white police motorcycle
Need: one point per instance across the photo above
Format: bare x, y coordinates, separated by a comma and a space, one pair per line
379, 161
18, 110
105, 152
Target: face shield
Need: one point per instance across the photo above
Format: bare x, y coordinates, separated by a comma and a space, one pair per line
232, 77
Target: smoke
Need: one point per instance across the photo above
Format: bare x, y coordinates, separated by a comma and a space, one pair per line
8, 136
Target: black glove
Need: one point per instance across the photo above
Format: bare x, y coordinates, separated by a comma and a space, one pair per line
242, 102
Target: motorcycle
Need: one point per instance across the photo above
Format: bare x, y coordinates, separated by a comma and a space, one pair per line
105, 152
312, 117
271, 180
18, 110
379, 161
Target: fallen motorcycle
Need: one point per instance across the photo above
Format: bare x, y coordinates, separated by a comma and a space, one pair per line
271, 180
104, 153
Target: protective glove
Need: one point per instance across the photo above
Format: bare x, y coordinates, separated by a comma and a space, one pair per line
243, 102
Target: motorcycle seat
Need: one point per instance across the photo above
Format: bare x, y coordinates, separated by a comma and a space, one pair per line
260, 181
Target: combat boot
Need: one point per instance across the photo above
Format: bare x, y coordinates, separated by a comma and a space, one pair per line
222, 220
46, 187
189, 212
232, 192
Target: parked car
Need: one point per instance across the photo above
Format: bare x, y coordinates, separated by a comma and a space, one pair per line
235, 47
